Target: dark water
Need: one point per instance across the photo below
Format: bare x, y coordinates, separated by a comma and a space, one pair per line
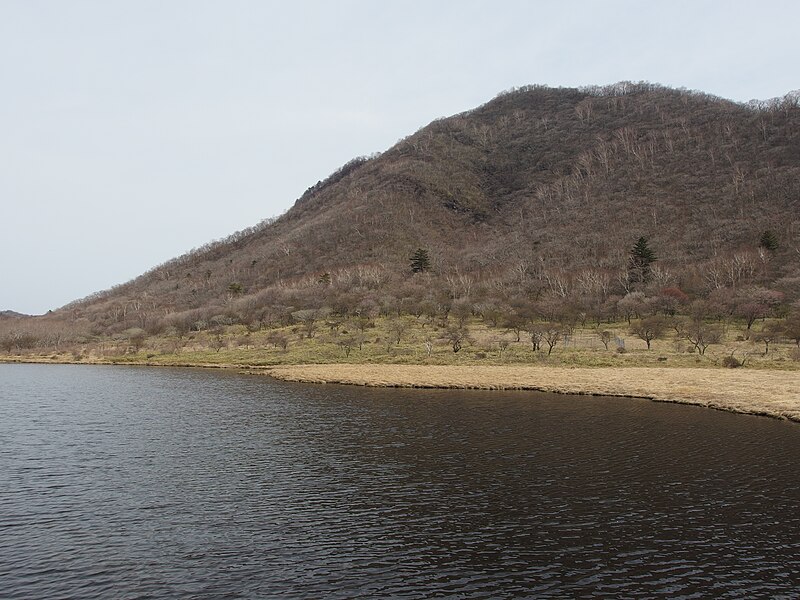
140, 483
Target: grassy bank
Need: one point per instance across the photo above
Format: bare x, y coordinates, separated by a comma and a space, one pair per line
776, 394
411, 341
406, 352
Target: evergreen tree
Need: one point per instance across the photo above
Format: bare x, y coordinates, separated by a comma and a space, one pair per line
768, 241
420, 261
642, 256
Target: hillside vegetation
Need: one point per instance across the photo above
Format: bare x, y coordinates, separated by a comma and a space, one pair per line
544, 209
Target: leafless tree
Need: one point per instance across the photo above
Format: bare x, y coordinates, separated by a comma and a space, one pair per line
552, 334
649, 328
308, 319
397, 327
456, 336
605, 337
699, 333
771, 332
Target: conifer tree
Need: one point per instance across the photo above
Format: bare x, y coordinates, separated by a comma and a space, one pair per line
642, 256
420, 261
768, 241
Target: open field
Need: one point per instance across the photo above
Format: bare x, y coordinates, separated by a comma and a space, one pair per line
407, 340
776, 394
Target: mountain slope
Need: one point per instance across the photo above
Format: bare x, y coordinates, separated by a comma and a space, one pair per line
531, 195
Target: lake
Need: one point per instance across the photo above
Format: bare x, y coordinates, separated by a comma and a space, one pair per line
129, 482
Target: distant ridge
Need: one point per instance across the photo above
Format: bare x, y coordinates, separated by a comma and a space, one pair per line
10, 314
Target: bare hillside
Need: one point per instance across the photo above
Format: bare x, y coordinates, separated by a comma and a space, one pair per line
537, 196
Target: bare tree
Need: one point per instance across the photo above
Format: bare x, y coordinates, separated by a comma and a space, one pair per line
771, 332
347, 343
217, 341
649, 328
536, 333
397, 327
552, 334
278, 339
502, 346
632, 305
605, 337
751, 312
308, 319
515, 324
456, 336
699, 333
791, 327
136, 338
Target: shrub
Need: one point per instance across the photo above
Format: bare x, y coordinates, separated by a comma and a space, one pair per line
731, 362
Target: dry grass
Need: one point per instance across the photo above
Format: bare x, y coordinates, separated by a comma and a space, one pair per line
769, 384
243, 348
772, 393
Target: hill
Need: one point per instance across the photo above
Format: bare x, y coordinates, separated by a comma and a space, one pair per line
529, 203
10, 314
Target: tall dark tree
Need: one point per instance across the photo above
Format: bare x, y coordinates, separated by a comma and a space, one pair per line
640, 261
420, 261
768, 241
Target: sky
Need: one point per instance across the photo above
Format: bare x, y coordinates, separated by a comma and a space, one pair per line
134, 131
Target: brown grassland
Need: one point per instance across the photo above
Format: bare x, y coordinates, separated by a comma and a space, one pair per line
491, 358
772, 393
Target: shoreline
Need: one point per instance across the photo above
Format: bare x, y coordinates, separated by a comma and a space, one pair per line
773, 394
770, 393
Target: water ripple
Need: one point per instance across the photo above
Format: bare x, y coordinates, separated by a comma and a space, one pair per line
143, 483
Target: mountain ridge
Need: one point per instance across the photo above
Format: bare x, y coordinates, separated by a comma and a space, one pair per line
520, 197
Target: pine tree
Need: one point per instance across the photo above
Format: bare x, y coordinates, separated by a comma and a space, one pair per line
420, 262
642, 256
768, 241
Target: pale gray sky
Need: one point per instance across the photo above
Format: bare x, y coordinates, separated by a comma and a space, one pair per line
132, 131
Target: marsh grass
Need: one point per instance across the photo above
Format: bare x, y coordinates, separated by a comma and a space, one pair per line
776, 394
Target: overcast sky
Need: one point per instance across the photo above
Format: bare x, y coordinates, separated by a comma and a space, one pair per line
133, 131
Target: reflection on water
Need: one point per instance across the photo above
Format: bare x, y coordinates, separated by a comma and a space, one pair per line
129, 482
